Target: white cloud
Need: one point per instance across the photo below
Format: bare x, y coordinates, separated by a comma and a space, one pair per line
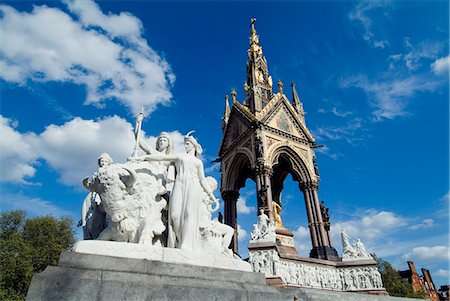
390, 95
371, 226
17, 153
351, 132
71, 149
103, 52
327, 152
423, 50
415, 55
429, 254
426, 223
302, 241
241, 206
441, 65
214, 167
33, 206
242, 234
442, 273
361, 14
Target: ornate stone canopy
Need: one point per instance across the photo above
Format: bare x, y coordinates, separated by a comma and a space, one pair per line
265, 138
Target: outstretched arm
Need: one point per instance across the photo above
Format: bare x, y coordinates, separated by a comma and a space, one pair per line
159, 157
147, 148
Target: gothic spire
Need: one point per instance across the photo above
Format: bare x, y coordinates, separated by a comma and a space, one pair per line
226, 113
258, 86
297, 104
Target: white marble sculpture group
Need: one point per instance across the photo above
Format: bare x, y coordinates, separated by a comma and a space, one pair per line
159, 199
264, 229
355, 251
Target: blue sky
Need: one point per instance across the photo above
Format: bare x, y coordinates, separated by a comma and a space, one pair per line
372, 76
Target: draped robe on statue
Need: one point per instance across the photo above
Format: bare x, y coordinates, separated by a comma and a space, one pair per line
184, 204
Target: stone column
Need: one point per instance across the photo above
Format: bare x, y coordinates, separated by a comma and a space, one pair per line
310, 215
230, 198
319, 215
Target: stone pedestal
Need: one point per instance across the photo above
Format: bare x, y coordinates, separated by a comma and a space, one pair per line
285, 241
95, 277
87, 277
170, 255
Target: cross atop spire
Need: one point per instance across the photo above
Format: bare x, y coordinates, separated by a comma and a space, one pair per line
252, 23
254, 39
258, 86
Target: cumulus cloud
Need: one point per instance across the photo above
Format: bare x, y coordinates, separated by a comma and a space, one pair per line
441, 65
361, 14
371, 226
426, 223
241, 206
302, 240
429, 254
103, 52
17, 153
242, 234
71, 149
442, 273
390, 95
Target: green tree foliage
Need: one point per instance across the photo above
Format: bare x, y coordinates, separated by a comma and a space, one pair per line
393, 283
28, 246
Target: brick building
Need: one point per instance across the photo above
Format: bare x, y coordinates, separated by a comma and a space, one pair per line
420, 283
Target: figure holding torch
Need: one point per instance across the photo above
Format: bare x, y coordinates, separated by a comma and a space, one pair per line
137, 133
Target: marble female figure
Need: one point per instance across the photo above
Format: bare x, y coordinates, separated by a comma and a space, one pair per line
189, 187
164, 145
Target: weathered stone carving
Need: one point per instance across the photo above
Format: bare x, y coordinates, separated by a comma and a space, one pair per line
130, 203
264, 229
315, 276
214, 235
355, 251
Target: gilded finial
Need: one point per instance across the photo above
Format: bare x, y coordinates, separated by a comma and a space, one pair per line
226, 98
253, 37
233, 95
280, 86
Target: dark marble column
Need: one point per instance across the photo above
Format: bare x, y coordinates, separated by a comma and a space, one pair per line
230, 198
323, 237
310, 215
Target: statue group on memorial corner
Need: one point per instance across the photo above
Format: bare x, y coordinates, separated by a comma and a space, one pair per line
160, 199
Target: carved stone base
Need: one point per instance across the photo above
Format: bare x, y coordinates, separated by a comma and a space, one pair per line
327, 253
288, 270
139, 251
285, 241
